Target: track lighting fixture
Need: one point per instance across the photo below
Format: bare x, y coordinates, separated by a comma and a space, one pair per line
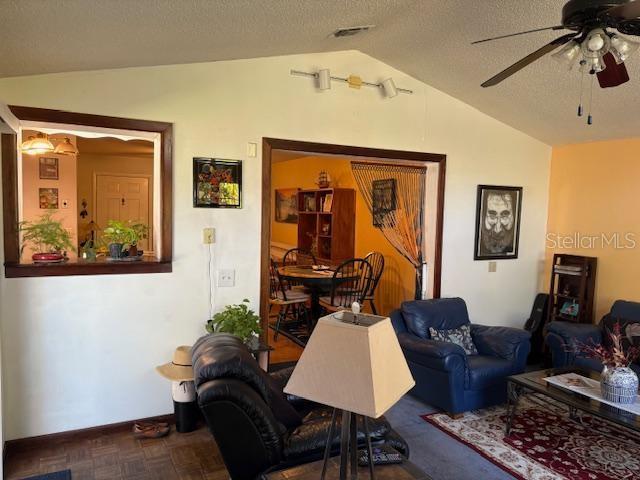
323, 78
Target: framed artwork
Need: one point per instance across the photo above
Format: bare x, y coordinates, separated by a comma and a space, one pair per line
49, 168
48, 198
287, 205
383, 195
217, 183
497, 222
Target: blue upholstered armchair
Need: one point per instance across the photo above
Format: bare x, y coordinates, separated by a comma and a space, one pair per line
445, 375
561, 337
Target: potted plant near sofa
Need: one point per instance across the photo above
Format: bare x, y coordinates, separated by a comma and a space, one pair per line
238, 320
47, 237
122, 238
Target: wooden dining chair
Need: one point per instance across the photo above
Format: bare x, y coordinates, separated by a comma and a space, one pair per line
376, 260
297, 256
350, 283
291, 303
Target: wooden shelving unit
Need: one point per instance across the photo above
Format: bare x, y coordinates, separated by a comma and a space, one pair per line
573, 280
327, 223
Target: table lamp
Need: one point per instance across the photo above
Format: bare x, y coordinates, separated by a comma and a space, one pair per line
353, 363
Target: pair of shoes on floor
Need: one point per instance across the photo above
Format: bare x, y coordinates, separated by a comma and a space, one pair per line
151, 429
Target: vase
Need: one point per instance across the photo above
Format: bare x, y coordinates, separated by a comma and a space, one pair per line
115, 250
619, 385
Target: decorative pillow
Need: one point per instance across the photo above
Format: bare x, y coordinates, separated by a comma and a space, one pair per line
630, 331
460, 336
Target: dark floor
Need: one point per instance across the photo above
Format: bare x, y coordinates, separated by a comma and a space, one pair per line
117, 455
194, 455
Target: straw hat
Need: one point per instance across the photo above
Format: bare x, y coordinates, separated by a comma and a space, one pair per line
180, 369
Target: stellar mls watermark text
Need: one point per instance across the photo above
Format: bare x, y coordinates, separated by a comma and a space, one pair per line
615, 240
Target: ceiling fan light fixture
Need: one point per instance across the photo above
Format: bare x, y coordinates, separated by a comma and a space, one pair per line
596, 44
622, 48
593, 65
568, 55
37, 145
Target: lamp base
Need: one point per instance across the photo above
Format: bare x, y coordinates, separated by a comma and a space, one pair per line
348, 444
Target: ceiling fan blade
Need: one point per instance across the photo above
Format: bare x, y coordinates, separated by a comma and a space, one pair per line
529, 59
626, 11
614, 74
557, 27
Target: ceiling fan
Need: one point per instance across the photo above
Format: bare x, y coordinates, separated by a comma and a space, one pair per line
592, 43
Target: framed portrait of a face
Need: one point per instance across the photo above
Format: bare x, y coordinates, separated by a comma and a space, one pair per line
497, 222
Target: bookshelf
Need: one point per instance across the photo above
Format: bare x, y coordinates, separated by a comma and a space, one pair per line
573, 280
326, 223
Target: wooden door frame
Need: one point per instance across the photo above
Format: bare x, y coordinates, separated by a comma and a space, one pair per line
9, 145
271, 144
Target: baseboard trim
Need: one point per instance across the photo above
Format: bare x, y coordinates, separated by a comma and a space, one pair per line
31, 442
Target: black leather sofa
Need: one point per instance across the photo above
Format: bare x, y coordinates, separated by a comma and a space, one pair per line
256, 426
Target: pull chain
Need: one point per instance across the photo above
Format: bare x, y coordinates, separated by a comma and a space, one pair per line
582, 63
590, 117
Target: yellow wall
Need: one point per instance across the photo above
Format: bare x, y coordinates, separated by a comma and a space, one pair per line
398, 280
594, 191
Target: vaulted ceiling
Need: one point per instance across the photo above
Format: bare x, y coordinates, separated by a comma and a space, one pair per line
428, 39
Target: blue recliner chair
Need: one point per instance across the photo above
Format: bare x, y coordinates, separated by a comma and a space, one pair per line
445, 375
560, 337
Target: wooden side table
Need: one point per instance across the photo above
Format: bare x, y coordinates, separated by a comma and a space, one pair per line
311, 471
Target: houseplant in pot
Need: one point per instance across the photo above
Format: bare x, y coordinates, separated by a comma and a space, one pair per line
619, 383
47, 237
122, 238
239, 320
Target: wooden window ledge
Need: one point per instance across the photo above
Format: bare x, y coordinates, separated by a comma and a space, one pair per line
81, 267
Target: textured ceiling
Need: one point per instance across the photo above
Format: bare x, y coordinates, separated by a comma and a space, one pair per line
428, 39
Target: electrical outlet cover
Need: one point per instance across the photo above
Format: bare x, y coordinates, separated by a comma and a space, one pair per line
226, 278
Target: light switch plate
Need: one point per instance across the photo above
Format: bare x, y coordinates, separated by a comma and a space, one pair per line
208, 235
252, 149
493, 267
226, 278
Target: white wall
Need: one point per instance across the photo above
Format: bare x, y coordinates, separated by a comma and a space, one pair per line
84, 348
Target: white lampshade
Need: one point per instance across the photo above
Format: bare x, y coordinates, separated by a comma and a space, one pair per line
568, 55
359, 368
324, 79
389, 88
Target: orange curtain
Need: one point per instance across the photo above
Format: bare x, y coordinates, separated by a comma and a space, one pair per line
395, 196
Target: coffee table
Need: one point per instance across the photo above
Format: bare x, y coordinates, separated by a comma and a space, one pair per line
311, 471
518, 385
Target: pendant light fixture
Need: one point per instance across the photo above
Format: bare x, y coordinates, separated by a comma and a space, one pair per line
37, 145
65, 147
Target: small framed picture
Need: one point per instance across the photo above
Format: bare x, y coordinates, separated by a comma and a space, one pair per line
286, 205
49, 168
217, 183
48, 198
328, 202
383, 199
497, 222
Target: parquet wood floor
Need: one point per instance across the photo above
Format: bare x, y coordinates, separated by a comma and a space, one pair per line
116, 455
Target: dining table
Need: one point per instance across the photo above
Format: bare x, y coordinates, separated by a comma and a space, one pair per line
315, 279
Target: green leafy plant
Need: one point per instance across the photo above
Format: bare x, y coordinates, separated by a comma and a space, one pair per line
45, 235
128, 234
239, 320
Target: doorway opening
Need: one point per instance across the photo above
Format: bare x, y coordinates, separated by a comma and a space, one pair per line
327, 205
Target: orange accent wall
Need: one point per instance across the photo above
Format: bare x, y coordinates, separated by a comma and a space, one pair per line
398, 280
594, 191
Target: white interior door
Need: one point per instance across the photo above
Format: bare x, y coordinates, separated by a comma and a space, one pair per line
123, 198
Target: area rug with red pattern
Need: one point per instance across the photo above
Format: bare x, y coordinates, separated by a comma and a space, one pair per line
545, 444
